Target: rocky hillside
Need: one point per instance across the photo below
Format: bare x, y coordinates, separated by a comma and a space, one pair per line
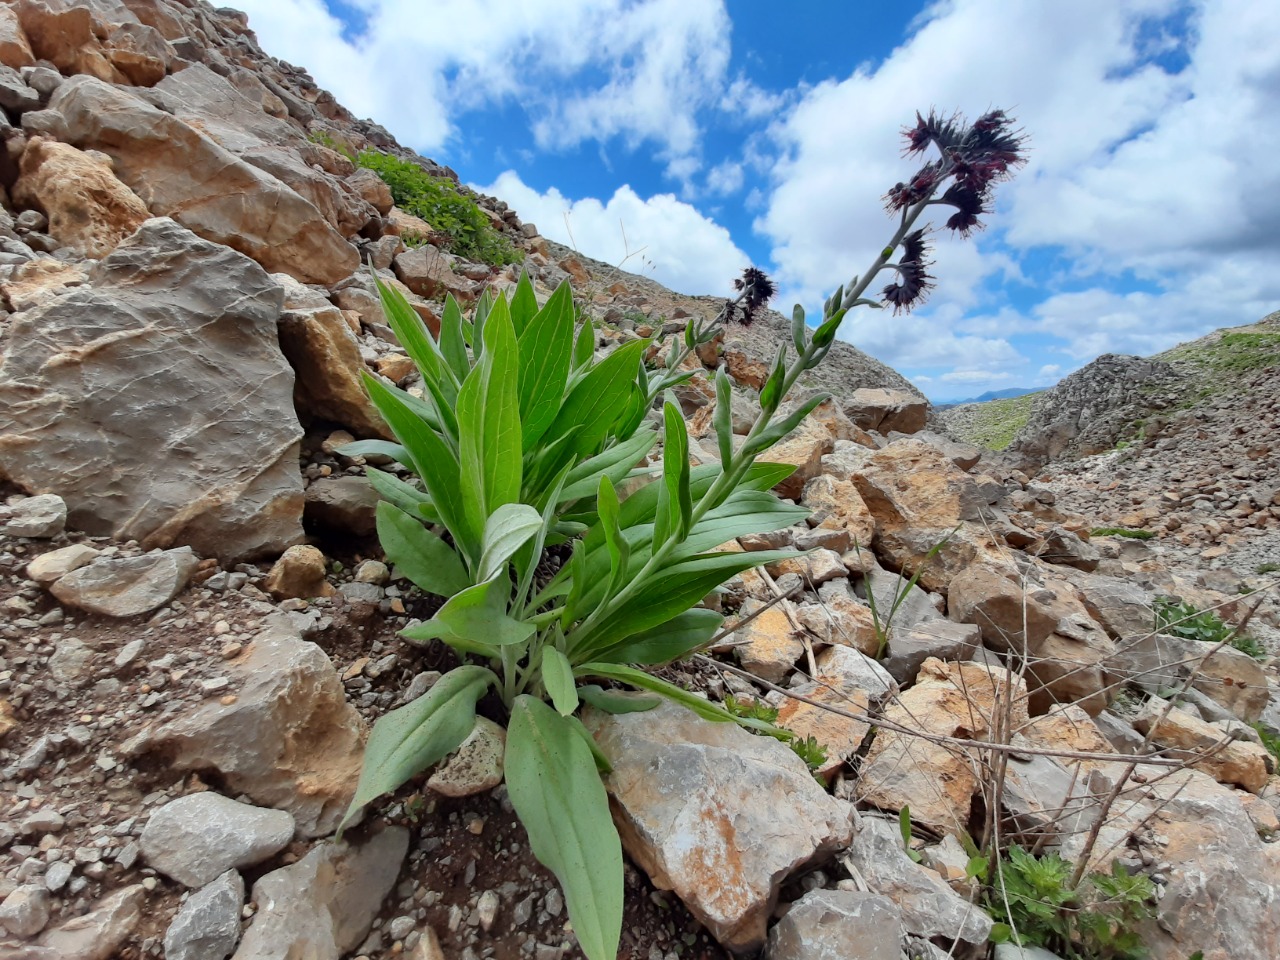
198, 625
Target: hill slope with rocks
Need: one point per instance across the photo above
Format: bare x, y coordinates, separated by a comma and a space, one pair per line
198, 626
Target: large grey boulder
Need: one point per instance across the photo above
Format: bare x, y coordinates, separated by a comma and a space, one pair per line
155, 400
180, 171
716, 814
207, 926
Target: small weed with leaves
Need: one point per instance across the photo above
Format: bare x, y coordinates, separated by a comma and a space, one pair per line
1122, 532
1176, 618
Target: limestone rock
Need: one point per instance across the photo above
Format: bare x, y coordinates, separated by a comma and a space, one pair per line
89, 210
373, 189
803, 448
1068, 654
15, 51
837, 505
290, 740
201, 448
717, 815
840, 618
476, 766
1223, 887
197, 838
42, 517
885, 410
127, 586
1063, 547
69, 36
25, 911
299, 574
347, 504
179, 171
1229, 677
48, 567
38, 281
918, 499
326, 359
97, 935
929, 907
838, 925
207, 926
941, 639
848, 680
426, 272
1239, 762
937, 781
768, 646
323, 906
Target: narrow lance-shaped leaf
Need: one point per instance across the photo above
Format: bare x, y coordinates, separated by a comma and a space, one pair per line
557, 793
779, 430
798, 329
375, 448
545, 353
724, 417
409, 499
453, 346
523, 303
434, 462
584, 348
414, 338
408, 740
489, 423
675, 467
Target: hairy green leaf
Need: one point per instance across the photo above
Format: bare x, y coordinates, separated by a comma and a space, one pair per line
557, 677
410, 739
419, 554
375, 448
616, 701
523, 303
677, 638
509, 528
598, 399
544, 364
557, 793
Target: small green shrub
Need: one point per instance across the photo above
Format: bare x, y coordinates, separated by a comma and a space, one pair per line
327, 140
1265, 568
1122, 532
1245, 352
1033, 902
1269, 740
438, 201
1178, 619
808, 749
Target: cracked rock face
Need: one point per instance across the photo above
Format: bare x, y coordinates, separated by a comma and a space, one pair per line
717, 815
155, 400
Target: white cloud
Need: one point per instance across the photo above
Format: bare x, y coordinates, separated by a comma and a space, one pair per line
1138, 172
725, 178
665, 237
975, 376
1050, 371
639, 70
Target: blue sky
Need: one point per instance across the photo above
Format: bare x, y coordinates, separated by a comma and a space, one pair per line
718, 133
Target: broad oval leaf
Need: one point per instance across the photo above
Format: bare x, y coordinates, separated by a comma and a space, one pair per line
508, 529
557, 793
419, 554
479, 614
410, 739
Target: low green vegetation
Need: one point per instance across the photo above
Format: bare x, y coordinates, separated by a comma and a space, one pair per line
438, 201
1264, 568
995, 423
1180, 619
1269, 740
1122, 532
807, 749
1035, 906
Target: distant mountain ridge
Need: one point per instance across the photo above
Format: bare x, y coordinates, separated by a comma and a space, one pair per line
1008, 393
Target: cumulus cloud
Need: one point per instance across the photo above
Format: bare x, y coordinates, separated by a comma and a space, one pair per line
1148, 175
638, 70
661, 237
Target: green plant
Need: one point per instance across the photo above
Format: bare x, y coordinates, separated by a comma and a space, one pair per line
325, 139
901, 590
1269, 740
520, 441
904, 828
1265, 568
1179, 619
1122, 532
439, 201
1035, 905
